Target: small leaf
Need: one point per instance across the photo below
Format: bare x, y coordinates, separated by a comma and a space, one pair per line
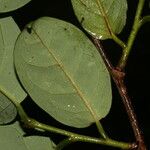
9, 32
9, 5
63, 72
12, 138
101, 17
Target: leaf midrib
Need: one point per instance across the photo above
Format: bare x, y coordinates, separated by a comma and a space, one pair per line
87, 104
4, 52
98, 14
102, 11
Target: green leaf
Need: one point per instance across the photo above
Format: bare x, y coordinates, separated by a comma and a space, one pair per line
9, 5
9, 85
101, 18
12, 138
63, 72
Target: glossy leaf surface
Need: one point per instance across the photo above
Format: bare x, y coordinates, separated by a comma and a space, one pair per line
9, 5
9, 84
63, 72
98, 17
12, 138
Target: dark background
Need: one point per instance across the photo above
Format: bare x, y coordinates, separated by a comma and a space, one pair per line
116, 123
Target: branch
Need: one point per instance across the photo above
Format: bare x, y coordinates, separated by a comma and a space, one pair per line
144, 20
134, 31
79, 138
64, 143
118, 78
33, 124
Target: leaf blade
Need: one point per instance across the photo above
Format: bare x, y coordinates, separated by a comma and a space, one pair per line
9, 5
101, 18
14, 135
56, 72
9, 32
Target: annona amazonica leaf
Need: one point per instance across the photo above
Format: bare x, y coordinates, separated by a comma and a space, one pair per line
12, 138
9, 5
63, 72
101, 17
9, 84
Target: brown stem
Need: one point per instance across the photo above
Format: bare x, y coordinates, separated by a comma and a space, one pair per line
118, 78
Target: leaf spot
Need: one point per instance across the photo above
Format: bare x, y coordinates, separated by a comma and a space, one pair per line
29, 30
65, 29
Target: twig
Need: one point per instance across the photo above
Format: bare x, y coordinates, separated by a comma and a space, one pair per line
144, 20
33, 124
64, 143
134, 31
118, 78
78, 137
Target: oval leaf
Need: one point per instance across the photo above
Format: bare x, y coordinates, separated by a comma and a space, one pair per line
101, 17
9, 5
63, 72
14, 139
9, 32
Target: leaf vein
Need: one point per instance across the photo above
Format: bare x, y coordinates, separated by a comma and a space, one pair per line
80, 94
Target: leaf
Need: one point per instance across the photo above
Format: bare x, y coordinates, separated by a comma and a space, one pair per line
101, 17
39, 143
14, 139
63, 72
9, 84
9, 5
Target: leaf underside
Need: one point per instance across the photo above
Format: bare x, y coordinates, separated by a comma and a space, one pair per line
9, 84
12, 138
101, 17
9, 5
63, 72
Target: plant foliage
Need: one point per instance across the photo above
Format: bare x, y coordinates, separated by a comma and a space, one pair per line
60, 68
54, 62
101, 18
